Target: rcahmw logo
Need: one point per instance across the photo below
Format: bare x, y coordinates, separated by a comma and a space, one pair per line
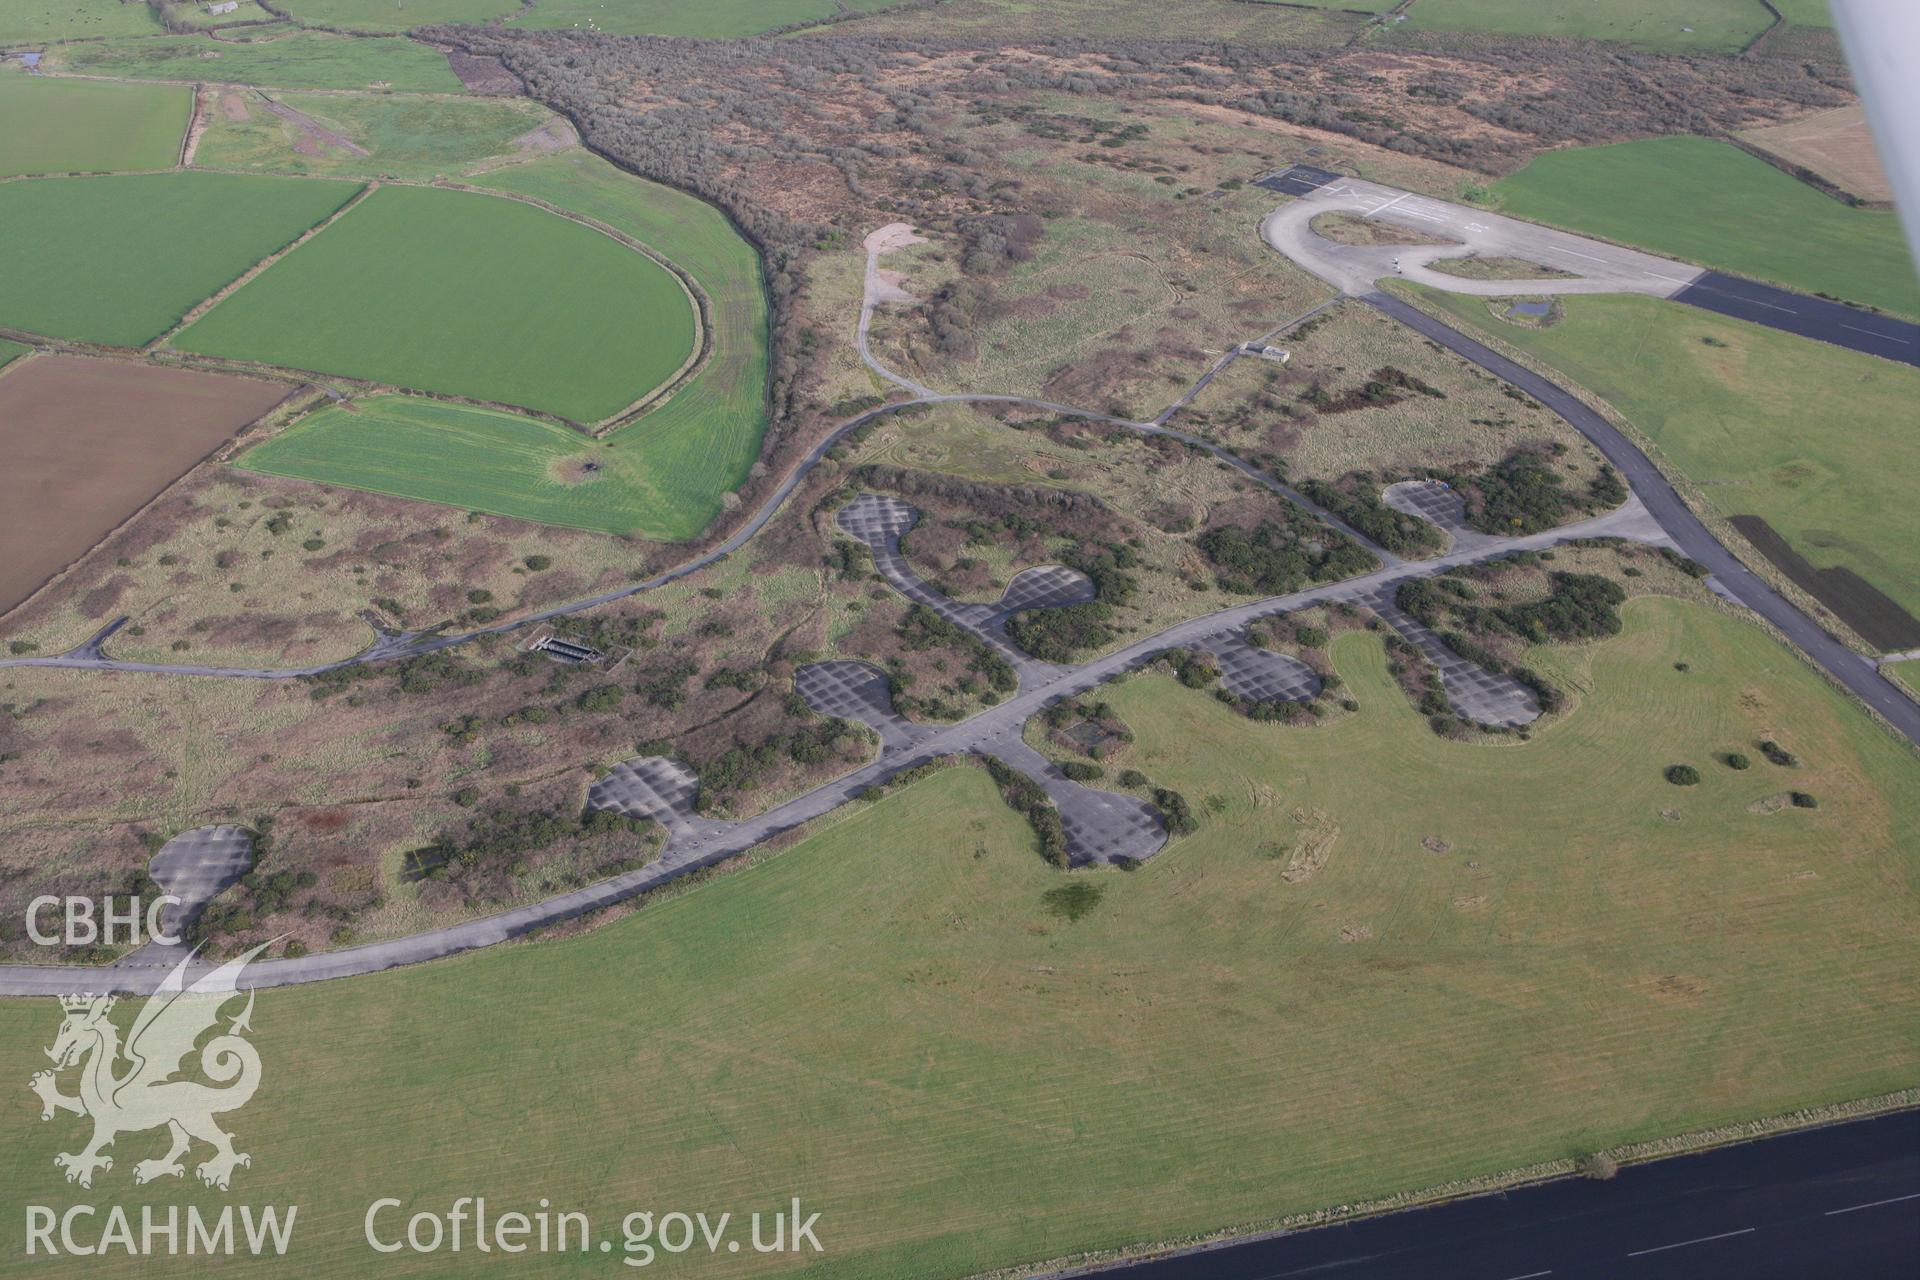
132, 1086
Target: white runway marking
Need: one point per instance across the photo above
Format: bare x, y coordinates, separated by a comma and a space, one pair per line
1531, 1275
1588, 256
1669, 279
1477, 226
1852, 1208
1724, 1235
1379, 209
1875, 333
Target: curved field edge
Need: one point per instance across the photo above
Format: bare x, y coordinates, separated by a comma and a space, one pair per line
699, 444
409, 289
897, 1029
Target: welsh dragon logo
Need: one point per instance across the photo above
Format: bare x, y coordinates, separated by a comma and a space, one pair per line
136, 1086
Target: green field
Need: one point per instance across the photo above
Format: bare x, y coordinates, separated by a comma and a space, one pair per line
411, 288
713, 20
38, 21
87, 126
1813, 437
396, 15
1680, 26
1711, 203
11, 351
308, 60
407, 135
474, 459
699, 444
888, 1022
121, 259
1807, 13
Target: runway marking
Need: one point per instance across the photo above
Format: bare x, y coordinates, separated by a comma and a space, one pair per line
1669, 279
1588, 256
1755, 301
1724, 1235
1379, 209
1875, 333
1531, 1275
1853, 1208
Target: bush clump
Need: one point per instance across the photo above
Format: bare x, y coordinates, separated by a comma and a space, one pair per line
1737, 761
1683, 775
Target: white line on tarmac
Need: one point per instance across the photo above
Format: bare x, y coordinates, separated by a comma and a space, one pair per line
1872, 1205
1669, 279
1875, 332
1379, 209
1531, 1275
1724, 1235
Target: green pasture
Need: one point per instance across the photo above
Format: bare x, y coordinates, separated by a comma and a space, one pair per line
701, 442
30, 22
89, 126
406, 135
1806, 13
1672, 26
305, 60
121, 259
1710, 203
11, 351
413, 287
1815, 438
889, 1022
475, 459
395, 15
713, 20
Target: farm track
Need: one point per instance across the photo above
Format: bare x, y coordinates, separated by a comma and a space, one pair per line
1654, 512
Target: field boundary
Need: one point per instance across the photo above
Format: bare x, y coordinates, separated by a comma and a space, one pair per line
1688, 1143
227, 290
696, 296
214, 455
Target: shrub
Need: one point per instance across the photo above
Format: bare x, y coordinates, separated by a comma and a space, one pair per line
1081, 771
479, 595
1132, 778
1173, 806
1599, 1165
314, 544
1683, 775
1801, 800
1737, 761
1778, 754
537, 563
1071, 901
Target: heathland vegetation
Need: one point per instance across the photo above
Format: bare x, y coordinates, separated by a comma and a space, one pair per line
411, 288
122, 259
1709, 202
887, 1024
1763, 423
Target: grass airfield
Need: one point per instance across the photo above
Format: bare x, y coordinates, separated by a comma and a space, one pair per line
897, 1029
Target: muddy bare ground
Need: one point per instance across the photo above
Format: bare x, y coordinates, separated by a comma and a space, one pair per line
89, 441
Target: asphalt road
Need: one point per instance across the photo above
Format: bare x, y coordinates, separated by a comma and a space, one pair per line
1837, 1201
1859, 674
1844, 326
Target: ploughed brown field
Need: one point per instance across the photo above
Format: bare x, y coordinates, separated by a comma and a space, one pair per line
86, 442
